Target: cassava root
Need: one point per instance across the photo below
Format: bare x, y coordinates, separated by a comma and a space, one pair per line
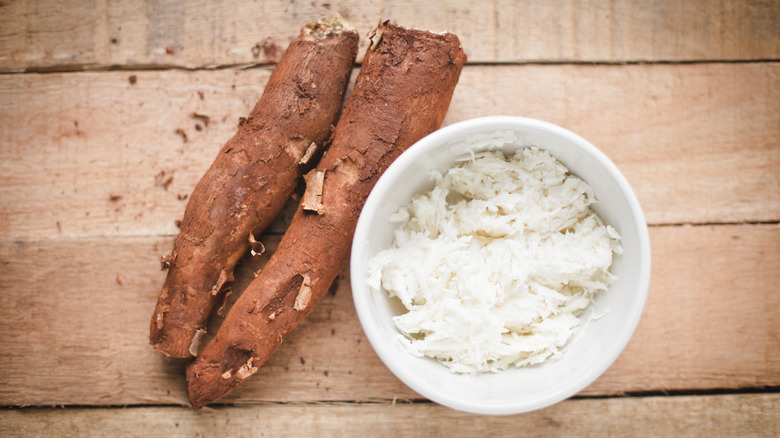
402, 93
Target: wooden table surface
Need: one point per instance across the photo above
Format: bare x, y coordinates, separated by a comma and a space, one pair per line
99, 146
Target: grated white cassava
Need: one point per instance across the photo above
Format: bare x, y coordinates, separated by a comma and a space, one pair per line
496, 262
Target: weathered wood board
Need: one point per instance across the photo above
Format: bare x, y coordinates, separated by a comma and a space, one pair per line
698, 143
751, 415
80, 309
42, 36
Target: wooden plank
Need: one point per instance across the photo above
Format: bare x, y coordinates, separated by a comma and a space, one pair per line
72, 334
697, 142
40, 35
749, 415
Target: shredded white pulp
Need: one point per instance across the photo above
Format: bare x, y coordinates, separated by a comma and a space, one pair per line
496, 262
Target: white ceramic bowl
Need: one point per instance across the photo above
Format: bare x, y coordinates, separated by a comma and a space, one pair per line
594, 349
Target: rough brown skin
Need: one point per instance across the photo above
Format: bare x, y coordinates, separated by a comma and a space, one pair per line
402, 94
251, 179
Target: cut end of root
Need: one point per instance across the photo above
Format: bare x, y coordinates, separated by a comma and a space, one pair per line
325, 27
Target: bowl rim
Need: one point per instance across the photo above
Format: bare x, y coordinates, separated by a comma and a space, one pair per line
359, 259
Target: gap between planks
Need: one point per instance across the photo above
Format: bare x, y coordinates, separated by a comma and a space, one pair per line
411, 400
69, 68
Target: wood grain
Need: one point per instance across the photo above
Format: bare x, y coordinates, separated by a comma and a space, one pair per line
38, 35
698, 143
79, 309
685, 98
750, 415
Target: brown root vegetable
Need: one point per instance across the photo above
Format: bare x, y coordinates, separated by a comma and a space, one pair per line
251, 179
402, 93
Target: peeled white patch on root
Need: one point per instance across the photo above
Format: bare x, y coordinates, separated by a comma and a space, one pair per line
495, 262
